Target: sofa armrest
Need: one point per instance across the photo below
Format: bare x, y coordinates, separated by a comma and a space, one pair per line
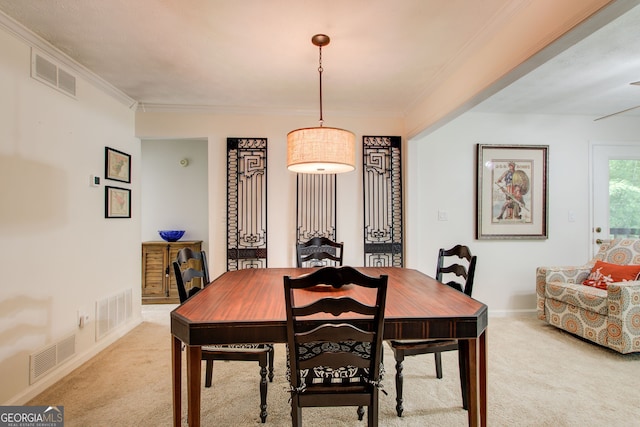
541, 281
624, 316
568, 274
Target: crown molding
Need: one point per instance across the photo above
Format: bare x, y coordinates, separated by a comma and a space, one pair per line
30, 38
143, 107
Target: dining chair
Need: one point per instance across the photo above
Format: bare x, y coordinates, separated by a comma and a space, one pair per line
185, 273
335, 359
457, 267
319, 252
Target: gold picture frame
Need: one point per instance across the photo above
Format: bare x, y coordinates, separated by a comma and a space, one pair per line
511, 195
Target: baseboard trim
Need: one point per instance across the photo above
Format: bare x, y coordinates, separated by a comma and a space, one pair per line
512, 313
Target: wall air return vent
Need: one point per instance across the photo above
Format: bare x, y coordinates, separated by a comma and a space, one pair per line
49, 357
113, 311
49, 73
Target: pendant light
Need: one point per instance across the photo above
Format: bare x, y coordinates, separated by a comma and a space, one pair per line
321, 150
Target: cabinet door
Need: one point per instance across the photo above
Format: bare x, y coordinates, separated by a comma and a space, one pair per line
173, 254
153, 271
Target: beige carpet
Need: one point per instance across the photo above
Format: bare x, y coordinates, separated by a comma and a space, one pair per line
538, 376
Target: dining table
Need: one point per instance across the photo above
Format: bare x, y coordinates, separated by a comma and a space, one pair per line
248, 306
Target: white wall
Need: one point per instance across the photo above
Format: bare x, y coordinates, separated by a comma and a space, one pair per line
281, 183
59, 254
442, 177
175, 197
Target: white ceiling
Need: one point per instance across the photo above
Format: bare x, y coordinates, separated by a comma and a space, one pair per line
590, 78
384, 55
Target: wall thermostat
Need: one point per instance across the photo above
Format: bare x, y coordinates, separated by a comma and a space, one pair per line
94, 181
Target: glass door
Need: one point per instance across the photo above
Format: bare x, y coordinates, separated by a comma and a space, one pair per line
616, 192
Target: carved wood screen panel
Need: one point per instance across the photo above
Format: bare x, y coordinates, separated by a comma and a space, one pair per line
382, 186
246, 203
316, 206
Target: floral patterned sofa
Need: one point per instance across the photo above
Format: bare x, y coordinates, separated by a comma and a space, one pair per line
609, 317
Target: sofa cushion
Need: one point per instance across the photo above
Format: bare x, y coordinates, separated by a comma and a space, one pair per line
604, 273
577, 295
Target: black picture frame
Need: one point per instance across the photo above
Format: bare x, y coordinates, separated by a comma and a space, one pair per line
117, 202
117, 165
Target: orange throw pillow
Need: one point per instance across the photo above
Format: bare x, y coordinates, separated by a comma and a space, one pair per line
604, 273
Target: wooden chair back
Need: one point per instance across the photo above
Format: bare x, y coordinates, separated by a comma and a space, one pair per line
319, 252
189, 265
457, 261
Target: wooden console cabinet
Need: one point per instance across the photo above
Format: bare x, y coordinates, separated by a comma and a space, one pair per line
158, 281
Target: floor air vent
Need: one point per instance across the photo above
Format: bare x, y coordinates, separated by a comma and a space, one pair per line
46, 359
112, 312
49, 73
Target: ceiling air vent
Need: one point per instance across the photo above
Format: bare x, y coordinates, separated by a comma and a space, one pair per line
66, 82
49, 73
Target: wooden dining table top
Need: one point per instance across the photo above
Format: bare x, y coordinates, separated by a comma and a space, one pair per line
247, 306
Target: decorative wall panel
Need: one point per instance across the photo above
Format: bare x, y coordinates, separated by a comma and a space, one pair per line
382, 186
316, 206
246, 203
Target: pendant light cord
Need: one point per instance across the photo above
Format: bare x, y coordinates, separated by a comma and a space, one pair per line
320, 73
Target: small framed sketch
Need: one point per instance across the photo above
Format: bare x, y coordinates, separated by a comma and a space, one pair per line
511, 193
117, 165
117, 202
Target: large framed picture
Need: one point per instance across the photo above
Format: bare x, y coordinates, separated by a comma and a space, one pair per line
117, 165
117, 202
511, 193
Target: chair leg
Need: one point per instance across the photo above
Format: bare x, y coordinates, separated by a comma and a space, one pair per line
372, 411
271, 365
208, 373
296, 413
399, 355
263, 389
438, 357
463, 379
360, 413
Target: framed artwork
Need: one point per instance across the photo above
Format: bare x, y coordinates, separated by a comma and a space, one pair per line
117, 165
511, 192
117, 202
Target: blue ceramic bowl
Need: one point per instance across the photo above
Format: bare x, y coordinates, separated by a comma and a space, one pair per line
171, 235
